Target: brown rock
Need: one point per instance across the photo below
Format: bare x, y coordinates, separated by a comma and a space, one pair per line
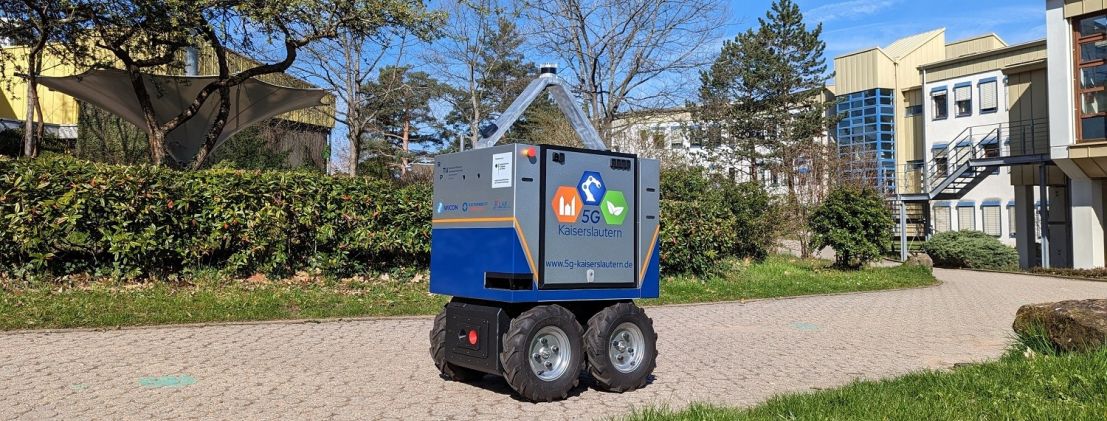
1075, 325
920, 259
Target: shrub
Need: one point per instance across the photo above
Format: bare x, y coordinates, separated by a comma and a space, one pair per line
706, 218
695, 235
62, 216
970, 249
855, 223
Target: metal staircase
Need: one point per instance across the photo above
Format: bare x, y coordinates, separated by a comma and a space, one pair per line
972, 156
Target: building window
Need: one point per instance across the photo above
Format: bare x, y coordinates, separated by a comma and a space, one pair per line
966, 218
941, 103
1090, 33
659, 139
989, 96
941, 218
990, 216
962, 99
913, 110
1011, 220
865, 134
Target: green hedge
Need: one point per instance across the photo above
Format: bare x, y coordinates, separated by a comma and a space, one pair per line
706, 218
970, 249
62, 216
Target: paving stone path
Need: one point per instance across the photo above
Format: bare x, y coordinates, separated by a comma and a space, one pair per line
729, 353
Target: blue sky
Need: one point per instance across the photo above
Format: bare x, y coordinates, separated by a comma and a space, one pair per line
850, 25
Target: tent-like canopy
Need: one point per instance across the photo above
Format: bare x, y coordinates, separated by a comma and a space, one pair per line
251, 102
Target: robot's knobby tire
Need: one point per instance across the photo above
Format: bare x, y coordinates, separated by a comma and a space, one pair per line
542, 353
438, 353
621, 346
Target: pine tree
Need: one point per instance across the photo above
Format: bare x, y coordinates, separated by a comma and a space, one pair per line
762, 97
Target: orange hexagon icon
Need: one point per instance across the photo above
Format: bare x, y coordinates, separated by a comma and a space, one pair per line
566, 204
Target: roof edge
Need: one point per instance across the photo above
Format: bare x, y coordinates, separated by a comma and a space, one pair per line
994, 51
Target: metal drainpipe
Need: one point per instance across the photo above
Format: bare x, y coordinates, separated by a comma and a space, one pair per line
192, 61
902, 229
1043, 210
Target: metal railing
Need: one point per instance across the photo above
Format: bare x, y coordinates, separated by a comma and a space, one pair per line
990, 141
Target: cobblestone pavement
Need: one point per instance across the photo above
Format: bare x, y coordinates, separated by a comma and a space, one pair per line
730, 353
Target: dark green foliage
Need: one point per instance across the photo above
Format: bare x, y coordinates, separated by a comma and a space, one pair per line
855, 222
706, 218
970, 249
249, 150
695, 235
62, 216
10, 142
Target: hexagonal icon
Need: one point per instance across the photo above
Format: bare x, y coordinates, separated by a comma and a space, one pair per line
566, 204
614, 207
591, 188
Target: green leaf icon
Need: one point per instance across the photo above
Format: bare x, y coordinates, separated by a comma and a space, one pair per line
614, 207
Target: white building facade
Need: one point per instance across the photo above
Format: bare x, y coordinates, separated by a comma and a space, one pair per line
958, 113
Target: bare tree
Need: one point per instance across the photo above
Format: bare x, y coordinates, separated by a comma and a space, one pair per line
627, 54
479, 57
40, 26
344, 66
147, 34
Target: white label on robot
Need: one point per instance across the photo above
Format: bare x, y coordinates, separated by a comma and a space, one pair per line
501, 169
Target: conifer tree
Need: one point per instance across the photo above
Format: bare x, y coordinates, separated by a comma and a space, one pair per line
762, 98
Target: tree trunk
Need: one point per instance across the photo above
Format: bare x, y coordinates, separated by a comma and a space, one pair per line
405, 145
30, 148
40, 125
157, 146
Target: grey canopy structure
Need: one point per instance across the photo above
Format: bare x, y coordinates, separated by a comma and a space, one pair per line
251, 102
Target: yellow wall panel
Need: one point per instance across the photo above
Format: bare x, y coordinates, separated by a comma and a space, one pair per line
984, 62
974, 45
1080, 7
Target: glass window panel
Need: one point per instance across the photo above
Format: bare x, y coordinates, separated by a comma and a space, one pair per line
989, 216
1092, 51
886, 119
1094, 102
1093, 25
1093, 76
1093, 127
964, 107
941, 107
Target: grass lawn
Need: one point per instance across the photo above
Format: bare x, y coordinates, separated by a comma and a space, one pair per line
782, 276
105, 306
211, 299
1069, 387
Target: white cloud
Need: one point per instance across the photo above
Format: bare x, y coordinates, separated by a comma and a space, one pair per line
847, 9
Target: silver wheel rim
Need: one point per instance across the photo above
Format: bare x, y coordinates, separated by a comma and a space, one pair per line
626, 347
550, 353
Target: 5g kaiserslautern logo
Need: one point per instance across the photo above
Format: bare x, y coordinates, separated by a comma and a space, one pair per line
591, 188
614, 207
